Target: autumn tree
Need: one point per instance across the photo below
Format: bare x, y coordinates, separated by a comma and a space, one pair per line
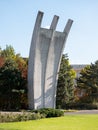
8, 52
12, 84
13, 79
22, 65
2, 60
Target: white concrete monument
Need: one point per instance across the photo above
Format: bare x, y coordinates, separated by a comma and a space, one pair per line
44, 60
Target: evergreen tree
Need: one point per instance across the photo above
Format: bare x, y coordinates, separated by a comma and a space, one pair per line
88, 81
65, 86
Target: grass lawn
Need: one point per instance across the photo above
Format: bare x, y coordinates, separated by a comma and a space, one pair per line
68, 122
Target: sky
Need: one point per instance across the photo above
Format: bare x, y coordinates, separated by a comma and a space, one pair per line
17, 19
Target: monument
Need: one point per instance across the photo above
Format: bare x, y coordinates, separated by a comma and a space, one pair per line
44, 60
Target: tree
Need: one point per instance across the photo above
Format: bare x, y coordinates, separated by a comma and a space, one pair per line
65, 86
12, 84
8, 52
22, 65
0, 51
88, 81
2, 61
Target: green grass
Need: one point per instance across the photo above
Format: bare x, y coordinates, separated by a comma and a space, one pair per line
69, 122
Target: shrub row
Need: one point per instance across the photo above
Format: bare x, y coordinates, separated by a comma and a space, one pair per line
31, 115
49, 112
15, 117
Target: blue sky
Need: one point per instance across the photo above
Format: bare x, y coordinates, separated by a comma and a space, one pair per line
17, 19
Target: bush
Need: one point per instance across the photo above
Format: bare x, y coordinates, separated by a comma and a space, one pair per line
20, 116
32, 115
50, 112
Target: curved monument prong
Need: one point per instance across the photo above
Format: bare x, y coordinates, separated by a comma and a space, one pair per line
54, 22
31, 61
35, 32
38, 20
68, 26
37, 27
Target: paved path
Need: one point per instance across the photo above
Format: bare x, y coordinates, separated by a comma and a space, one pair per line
67, 113
82, 112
